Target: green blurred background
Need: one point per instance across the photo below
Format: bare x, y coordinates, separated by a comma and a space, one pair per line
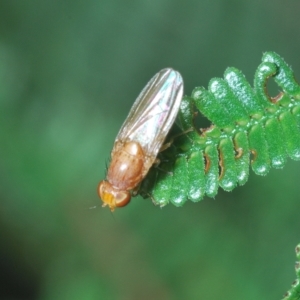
69, 73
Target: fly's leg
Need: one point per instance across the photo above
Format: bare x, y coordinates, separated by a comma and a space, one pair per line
135, 191
168, 144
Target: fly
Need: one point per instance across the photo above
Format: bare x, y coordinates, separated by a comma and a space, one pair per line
141, 137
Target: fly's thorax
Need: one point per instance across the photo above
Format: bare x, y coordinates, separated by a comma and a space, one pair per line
126, 166
111, 196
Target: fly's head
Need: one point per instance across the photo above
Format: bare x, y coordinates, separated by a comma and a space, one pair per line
111, 196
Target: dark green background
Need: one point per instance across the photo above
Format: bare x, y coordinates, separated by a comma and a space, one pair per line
69, 73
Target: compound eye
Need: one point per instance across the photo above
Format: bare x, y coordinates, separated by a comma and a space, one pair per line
122, 198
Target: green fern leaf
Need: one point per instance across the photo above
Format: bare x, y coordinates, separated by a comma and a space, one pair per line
294, 292
248, 128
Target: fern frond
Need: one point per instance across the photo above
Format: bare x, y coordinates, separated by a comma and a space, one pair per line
294, 292
249, 127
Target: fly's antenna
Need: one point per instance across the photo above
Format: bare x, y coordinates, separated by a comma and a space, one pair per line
93, 207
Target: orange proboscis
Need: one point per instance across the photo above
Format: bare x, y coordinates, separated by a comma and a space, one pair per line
128, 167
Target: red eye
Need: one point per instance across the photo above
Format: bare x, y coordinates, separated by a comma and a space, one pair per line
122, 198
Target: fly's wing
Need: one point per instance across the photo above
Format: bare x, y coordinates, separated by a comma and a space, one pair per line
154, 112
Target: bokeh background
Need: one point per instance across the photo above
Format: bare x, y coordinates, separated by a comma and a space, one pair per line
69, 73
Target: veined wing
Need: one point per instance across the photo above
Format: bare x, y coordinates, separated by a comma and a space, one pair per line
154, 112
